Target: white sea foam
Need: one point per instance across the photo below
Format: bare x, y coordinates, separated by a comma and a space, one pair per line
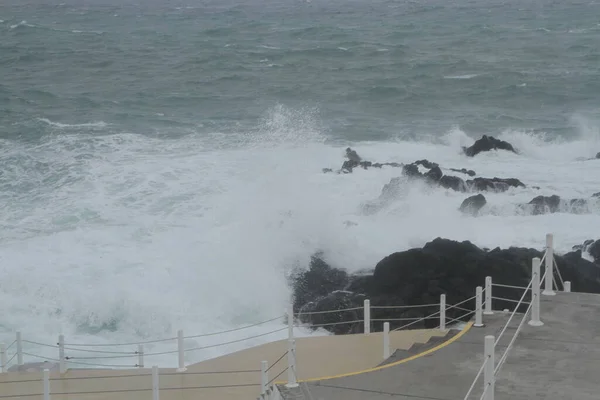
466, 76
98, 124
121, 238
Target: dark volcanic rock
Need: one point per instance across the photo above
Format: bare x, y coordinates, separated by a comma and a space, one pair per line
493, 184
354, 161
598, 155
472, 205
545, 204
435, 176
453, 182
487, 143
469, 172
594, 250
419, 276
552, 204
596, 194
592, 247
319, 281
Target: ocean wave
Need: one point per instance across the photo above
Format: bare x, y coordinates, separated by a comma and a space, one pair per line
98, 124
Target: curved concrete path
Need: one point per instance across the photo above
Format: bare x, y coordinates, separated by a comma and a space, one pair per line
557, 361
317, 356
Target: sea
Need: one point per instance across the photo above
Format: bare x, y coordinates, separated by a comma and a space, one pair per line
161, 160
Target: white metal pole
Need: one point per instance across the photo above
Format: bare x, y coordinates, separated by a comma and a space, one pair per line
155, 383
3, 358
567, 286
548, 290
386, 340
535, 293
489, 381
442, 312
290, 321
140, 352
291, 364
367, 316
488, 296
62, 365
181, 351
478, 306
19, 349
264, 376
46, 384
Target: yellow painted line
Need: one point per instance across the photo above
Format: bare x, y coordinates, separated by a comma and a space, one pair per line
405, 360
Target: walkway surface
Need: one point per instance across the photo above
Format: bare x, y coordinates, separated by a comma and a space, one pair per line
557, 361
317, 357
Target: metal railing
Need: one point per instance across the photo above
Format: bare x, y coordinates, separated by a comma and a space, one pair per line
105, 355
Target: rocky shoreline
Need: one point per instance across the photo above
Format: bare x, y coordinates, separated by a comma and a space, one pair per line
420, 275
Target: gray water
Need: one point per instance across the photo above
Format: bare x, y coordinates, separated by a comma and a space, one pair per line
160, 161
373, 69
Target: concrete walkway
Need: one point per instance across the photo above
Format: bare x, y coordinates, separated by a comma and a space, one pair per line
557, 361
215, 379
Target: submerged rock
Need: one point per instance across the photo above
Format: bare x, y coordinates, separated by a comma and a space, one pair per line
472, 205
487, 143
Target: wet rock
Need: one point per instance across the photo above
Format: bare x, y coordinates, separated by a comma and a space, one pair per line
453, 182
469, 172
472, 205
418, 276
487, 143
493, 184
545, 204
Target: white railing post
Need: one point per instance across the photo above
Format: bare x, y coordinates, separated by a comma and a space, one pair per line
488, 296
46, 384
548, 290
155, 383
19, 350
489, 380
291, 356
264, 376
290, 321
140, 352
567, 287
478, 306
367, 316
442, 312
3, 358
386, 340
181, 352
535, 293
62, 365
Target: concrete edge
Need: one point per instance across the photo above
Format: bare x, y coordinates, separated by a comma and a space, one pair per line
404, 360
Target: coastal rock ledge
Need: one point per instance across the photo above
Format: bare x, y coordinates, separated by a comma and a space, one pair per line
418, 276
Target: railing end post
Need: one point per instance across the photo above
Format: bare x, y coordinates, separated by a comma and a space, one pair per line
367, 316
478, 307
488, 296
442, 312
386, 340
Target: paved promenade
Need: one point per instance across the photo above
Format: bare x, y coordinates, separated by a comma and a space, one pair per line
317, 356
557, 361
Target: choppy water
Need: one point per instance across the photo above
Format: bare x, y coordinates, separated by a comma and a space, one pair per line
160, 165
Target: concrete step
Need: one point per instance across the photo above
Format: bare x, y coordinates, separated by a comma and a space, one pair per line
418, 348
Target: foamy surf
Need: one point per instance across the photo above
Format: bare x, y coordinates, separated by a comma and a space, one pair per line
148, 236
